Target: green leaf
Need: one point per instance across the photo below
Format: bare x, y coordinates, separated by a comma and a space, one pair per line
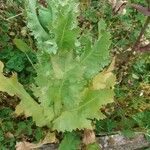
45, 17
38, 134
142, 119
2, 138
21, 45
128, 133
33, 22
27, 105
55, 27
65, 83
39, 32
93, 146
64, 25
71, 141
66, 35
67, 95
101, 27
96, 57
92, 101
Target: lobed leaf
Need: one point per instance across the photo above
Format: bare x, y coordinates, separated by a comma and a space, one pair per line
27, 105
96, 57
33, 22
88, 109
70, 88
55, 27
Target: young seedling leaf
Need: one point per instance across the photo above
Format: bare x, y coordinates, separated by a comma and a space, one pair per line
21, 45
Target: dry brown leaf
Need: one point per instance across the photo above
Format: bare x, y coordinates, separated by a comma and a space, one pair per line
118, 6
25, 146
89, 137
9, 135
112, 3
50, 138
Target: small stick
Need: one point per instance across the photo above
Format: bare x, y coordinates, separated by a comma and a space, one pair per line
136, 45
14, 16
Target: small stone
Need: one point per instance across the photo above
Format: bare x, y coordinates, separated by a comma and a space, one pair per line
12, 34
24, 31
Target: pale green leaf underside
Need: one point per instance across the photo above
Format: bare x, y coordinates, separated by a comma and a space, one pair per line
55, 28
33, 22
